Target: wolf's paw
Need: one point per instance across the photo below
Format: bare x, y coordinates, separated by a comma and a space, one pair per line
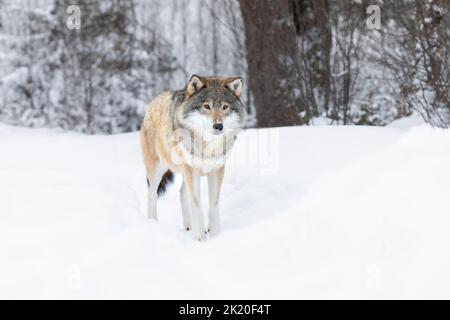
199, 235
213, 232
187, 226
214, 229
201, 238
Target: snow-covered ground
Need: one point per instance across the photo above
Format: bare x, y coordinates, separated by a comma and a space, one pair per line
308, 212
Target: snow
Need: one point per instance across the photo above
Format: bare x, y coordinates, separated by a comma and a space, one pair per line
407, 122
307, 212
321, 121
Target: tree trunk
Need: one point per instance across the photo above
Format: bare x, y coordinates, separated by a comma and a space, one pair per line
272, 61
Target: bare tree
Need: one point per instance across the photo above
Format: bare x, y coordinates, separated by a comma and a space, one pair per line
421, 60
273, 64
313, 28
1, 8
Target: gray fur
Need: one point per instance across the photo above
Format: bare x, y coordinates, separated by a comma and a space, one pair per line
216, 94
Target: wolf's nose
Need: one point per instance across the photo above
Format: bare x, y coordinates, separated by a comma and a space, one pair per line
218, 126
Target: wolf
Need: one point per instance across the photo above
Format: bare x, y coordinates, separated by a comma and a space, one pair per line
192, 131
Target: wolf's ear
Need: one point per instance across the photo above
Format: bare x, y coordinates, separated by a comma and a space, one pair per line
194, 85
235, 85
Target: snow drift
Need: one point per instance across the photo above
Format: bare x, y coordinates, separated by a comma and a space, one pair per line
308, 212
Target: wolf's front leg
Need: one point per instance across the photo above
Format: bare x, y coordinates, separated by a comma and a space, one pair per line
215, 179
152, 198
192, 180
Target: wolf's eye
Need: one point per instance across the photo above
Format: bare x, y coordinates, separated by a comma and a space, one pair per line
206, 106
225, 107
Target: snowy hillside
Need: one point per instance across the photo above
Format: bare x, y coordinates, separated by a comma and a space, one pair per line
321, 212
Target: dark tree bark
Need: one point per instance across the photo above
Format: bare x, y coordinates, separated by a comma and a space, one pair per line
272, 57
313, 28
1, 7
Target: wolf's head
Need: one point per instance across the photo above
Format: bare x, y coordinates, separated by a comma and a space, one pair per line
212, 105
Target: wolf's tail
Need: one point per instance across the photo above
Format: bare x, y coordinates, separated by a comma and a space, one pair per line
167, 179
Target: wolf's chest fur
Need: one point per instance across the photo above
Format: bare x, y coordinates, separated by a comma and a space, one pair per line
206, 153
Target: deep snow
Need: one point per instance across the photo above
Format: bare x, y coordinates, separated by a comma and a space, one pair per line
307, 212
